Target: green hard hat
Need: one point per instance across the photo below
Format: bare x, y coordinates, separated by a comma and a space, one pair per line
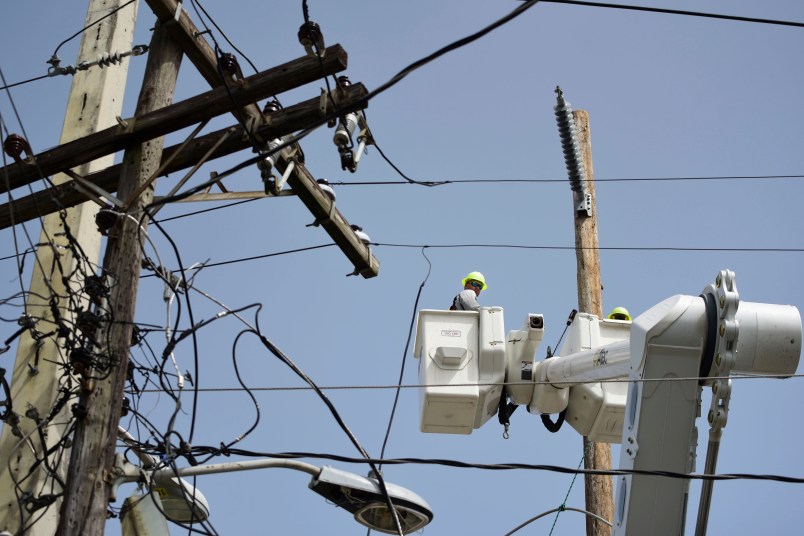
620, 313
476, 276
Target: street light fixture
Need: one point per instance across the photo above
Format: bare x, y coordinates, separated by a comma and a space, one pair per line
359, 495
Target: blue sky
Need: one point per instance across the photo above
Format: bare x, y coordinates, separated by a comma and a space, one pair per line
668, 97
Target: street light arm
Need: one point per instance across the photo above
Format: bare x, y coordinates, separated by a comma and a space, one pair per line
230, 467
363, 497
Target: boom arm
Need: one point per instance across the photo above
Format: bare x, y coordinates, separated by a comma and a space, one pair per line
661, 355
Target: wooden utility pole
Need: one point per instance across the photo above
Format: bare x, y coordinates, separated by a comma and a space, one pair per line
598, 488
89, 482
96, 98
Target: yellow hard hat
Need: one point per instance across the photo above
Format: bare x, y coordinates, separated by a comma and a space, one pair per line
620, 313
476, 276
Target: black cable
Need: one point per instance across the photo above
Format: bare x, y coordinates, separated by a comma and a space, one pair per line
362, 102
449, 48
376, 473
404, 356
600, 248
71, 240
15, 84
192, 321
90, 25
306, 17
197, 5
510, 246
255, 257
247, 390
408, 179
482, 181
164, 220
238, 113
678, 12
556, 181
236, 110
515, 466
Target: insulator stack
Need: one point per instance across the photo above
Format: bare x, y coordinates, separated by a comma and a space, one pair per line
105, 219
272, 106
230, 66
96, 289
229, 63
569, 143
81, 361
310, 37
15, 145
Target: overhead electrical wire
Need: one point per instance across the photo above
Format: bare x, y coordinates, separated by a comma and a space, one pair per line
509, 246
362, 102
179, 335
600, 248
678, 12
196, 6
54, 57
90, 25
558, 510
382, 88
518, 466
557, 181
500, 384
405, 355
257, 257
496, 246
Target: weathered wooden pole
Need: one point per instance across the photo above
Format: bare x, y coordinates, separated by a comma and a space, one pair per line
89, 479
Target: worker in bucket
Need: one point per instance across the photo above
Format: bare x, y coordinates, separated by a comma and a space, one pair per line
620, 313
473, 283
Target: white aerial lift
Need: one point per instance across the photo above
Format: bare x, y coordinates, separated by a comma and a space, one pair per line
634, 383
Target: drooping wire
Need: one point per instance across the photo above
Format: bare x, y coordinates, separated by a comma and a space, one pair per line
197, 5
192, 322
218, 57
264, 256
564, 503
376, 473
90, 25
23, 82
394, 166
405, 355
560, 509
449, 48
306, 16
381, 89
679, 12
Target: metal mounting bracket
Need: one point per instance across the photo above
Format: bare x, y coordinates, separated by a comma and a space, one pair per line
584, 203
727, 300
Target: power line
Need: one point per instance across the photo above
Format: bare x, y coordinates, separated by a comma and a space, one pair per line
491, 181
90, 25
256, 257
34, 79
208, 210
679, 12
556, 181
516, 466
499, 246
382, 88
601, 248
492, 384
